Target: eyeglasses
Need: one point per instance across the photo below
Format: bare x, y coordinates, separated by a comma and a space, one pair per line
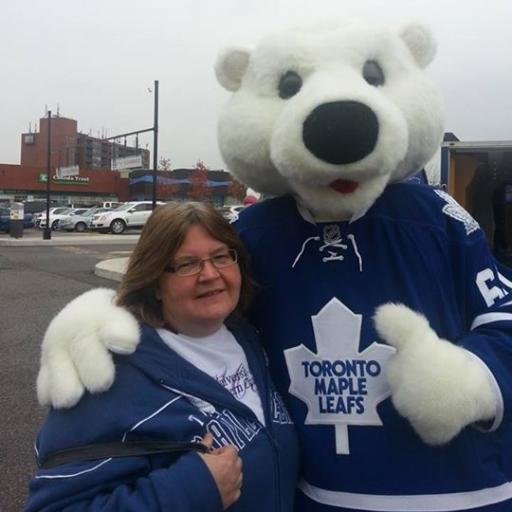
191, 266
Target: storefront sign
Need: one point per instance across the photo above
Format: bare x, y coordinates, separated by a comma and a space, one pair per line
128, 162
69, 180
66, 172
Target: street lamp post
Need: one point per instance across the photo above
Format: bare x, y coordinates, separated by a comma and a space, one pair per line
47, 232
155, 145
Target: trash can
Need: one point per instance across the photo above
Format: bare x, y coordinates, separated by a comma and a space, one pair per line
16, 220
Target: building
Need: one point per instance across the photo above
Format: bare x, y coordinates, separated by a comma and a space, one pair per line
70, 148
215, 186
101, 172
22, 182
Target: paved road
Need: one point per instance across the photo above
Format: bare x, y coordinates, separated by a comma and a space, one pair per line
35, 283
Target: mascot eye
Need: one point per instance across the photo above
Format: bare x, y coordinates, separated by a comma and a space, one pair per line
373, 73
289, 85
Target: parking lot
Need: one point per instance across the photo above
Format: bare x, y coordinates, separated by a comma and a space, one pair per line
37, 281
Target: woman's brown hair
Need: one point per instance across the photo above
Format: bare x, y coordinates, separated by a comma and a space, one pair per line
159, 241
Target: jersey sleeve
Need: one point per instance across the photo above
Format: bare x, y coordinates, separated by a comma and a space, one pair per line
110, 486
486, 301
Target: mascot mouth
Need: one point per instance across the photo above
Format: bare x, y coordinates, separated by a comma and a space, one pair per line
344, 186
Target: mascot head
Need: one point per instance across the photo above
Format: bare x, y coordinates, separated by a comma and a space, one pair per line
331, 113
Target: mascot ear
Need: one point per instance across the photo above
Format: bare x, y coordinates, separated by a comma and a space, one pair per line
231, 66
420, 42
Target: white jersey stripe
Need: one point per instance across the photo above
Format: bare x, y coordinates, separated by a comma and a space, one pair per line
72, 475
416, 502
488, 318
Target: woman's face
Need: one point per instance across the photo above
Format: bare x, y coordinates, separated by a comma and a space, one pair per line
197, 305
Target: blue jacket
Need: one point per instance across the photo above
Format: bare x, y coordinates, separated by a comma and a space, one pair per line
159, 395
320, 285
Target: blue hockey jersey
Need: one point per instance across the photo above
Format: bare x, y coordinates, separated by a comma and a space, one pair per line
320, 286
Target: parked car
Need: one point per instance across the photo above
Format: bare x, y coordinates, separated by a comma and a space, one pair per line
55, 216
231, 212
129, 215
56, 210
5, 219
76, 221
78, 211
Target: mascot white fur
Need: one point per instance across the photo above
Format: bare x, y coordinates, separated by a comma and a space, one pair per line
386, 322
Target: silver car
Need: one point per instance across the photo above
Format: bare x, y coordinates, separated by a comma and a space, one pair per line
56, 210
79, 221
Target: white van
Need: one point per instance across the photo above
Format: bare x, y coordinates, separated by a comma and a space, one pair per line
110, 204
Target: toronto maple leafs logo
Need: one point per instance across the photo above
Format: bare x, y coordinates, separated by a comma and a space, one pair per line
455, 211
340, 385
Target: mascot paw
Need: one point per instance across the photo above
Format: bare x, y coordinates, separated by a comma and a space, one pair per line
121, 334
75, 352
439, 387
58, 383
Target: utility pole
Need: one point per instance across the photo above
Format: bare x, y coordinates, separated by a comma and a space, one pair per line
47, 232
155, 144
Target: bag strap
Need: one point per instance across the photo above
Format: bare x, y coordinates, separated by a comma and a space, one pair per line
117, 449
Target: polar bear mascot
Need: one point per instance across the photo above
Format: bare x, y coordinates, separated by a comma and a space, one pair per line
386, 322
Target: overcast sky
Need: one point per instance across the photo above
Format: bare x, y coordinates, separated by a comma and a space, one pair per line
96, 59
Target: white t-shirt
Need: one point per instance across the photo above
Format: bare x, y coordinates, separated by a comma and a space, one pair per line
221, 357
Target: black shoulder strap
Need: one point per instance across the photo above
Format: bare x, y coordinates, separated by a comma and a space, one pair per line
117, 449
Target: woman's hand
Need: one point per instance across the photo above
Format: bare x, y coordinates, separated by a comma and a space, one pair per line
226, 468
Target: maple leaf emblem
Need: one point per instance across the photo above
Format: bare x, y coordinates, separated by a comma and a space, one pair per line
455, 211
340, 385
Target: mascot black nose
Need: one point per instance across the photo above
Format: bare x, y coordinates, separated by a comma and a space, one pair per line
341, 132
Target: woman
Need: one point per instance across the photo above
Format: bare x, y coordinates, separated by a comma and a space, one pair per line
198, 375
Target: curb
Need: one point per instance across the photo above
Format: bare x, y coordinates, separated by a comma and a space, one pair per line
112, 269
